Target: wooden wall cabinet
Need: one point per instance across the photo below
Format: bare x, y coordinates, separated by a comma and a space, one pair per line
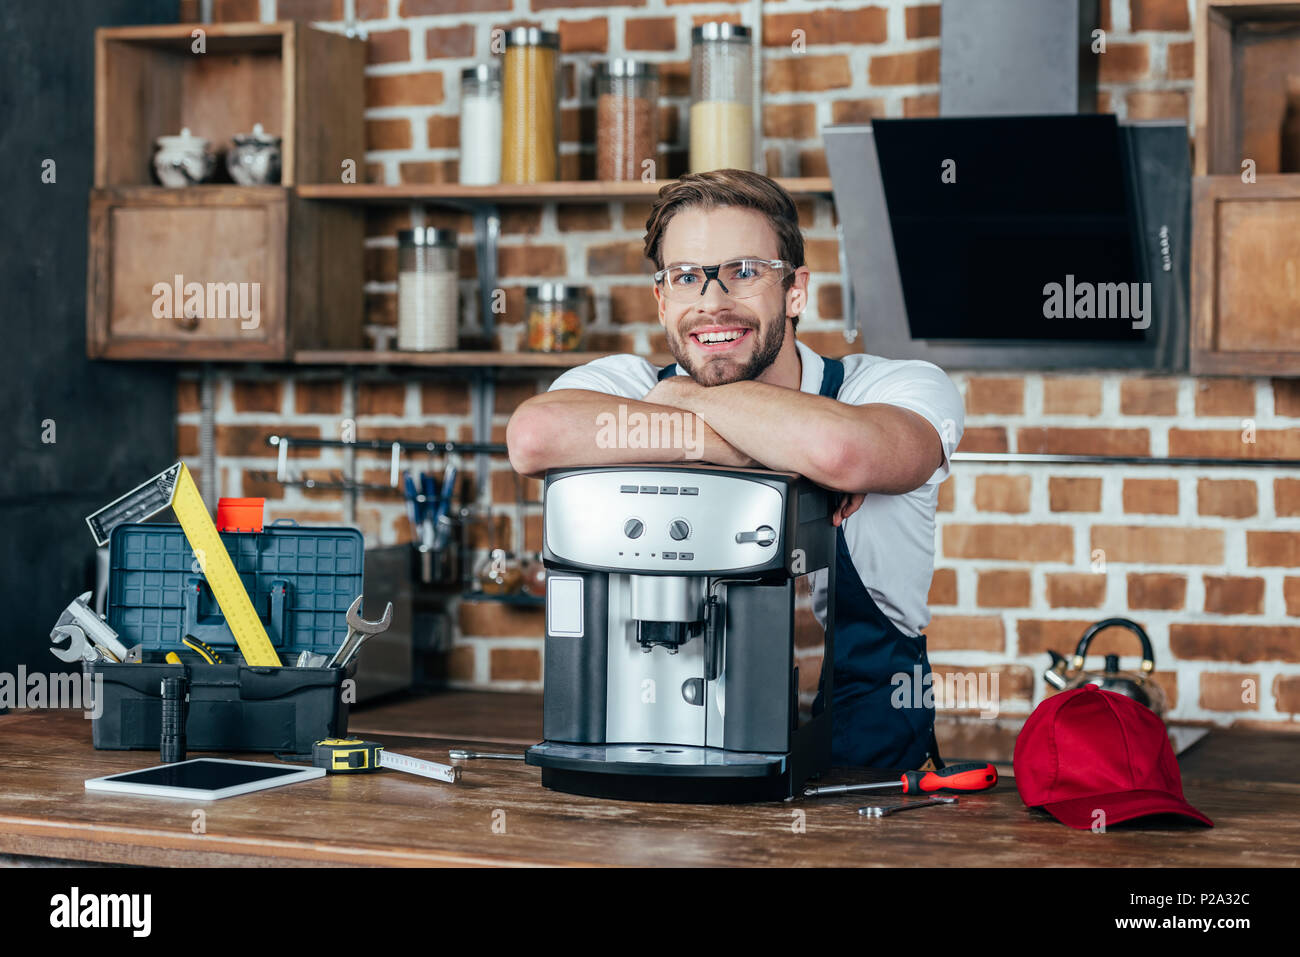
273, 273
1246, 234
298, 263
1246, 278
304, 85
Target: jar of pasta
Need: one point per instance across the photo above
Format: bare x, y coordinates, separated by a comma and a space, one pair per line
722, 86
530, 108
557, 317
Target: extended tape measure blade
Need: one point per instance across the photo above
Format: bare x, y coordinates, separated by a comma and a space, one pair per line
220, 572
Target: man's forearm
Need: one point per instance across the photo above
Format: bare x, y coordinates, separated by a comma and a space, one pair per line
574, 427
840, 446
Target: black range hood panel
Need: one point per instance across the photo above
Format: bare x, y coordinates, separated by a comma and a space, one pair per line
959, 268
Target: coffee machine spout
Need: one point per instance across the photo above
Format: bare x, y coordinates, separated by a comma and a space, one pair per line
668, 610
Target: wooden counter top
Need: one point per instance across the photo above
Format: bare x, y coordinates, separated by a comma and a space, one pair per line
1240, 779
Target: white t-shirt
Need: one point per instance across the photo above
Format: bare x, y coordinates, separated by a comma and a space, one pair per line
891, 537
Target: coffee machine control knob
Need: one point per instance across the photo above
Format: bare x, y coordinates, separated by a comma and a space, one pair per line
679, 529
633, 528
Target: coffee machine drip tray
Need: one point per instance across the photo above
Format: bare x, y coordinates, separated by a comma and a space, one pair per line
676, 773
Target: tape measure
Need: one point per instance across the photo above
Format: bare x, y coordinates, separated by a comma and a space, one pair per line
346, 755
220, 572
354, 756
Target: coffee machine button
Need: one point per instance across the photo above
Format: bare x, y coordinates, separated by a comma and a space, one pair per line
627, 488
679, 529
649, 489
693, 691
685, 555
670, 554
690, 490
633, 528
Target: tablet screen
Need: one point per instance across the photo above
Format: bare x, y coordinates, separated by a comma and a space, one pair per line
205, 774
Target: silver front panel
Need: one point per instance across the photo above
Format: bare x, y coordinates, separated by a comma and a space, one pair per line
644, 689
586, 516
667, 598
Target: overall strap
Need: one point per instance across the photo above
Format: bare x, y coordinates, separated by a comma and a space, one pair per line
832, 377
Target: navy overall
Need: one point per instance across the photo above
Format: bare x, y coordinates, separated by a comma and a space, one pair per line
878, 721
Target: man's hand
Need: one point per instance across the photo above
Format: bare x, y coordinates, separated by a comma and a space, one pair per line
672, 391
675, 392
849, 503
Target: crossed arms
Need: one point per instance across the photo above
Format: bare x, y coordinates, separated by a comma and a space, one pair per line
856, 449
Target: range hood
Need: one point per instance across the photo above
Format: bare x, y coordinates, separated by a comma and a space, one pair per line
1019, 229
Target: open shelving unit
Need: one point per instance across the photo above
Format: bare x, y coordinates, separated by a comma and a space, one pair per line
459, 359
560, 191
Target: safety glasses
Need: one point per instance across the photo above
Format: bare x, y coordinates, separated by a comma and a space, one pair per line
739, 278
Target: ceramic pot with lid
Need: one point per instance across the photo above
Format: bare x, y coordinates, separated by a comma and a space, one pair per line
254, 160
182, 160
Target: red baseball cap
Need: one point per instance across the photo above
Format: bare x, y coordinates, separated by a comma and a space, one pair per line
1088, 750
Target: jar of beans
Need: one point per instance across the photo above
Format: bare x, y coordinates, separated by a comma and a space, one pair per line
627, 119
530, 107
557, 317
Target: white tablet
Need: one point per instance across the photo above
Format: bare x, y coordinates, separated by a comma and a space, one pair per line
204, 779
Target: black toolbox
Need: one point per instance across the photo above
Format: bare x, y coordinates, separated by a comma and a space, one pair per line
300, 580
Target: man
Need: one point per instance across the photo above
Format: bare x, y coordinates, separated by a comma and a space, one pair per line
730, 284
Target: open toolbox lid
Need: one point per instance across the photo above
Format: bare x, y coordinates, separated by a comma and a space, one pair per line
300, 581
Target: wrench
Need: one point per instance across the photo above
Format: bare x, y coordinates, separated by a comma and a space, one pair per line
79, 647
884, 810
360, 629
461, 754
93, 630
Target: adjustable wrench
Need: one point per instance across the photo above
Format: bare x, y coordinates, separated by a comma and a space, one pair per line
93, 638
884, 810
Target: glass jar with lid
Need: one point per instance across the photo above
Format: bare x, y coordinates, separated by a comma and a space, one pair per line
557, 317
722, 85
627, 119
530, 106
480, 125
428, 307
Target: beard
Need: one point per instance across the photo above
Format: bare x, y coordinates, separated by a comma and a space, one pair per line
724, 369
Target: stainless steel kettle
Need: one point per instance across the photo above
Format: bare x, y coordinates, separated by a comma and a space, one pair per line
1066, 673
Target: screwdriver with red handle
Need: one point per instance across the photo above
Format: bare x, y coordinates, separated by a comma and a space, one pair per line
971, 776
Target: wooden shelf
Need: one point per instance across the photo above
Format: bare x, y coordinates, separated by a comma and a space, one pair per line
458, 359
572, 191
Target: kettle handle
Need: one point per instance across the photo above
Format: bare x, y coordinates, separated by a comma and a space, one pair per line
1148, 655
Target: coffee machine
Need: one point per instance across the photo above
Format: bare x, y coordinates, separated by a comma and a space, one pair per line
677, 599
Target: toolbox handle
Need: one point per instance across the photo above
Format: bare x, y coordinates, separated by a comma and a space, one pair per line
284, 523
213, 629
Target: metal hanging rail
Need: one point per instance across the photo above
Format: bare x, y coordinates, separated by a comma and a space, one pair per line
395, 448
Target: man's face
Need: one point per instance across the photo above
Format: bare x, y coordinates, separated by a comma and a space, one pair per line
706, 238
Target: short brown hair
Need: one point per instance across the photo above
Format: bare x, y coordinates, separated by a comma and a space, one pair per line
728, 187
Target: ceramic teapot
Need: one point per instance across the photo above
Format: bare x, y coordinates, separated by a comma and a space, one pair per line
254, 160
182, 160
1066, 673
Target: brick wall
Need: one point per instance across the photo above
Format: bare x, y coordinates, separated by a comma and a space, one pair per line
1207, 560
